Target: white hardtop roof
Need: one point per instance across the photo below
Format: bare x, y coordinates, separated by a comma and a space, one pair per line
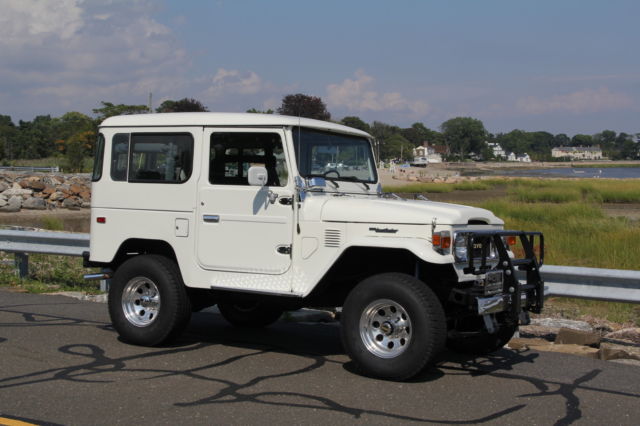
178, 119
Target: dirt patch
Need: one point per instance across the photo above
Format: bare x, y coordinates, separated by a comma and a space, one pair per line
72, 220
629, 210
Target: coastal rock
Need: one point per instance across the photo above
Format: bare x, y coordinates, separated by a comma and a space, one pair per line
36, 185
558, 323
632, 334
3, 186
13, 205
56, 196
3, 202
34, 203
70, 203
17, 191
77, 189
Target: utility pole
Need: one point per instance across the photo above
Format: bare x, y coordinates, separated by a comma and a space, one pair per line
150, 104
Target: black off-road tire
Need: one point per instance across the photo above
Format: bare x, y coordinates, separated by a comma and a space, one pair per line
393, 326
137, 287
483, 343
250, 313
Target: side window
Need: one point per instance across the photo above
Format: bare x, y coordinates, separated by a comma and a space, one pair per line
231, 154
156, 157
119, 156
97, 160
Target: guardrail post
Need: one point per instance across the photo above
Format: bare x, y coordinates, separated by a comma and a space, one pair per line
22, 264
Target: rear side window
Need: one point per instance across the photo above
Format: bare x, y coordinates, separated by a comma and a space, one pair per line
152, 157
160, 158
97, 160
119, 156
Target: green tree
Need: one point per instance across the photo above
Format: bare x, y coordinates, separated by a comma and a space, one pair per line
8, 134
582, 140
463, 135
73, 123
75, 154
257, 111
109, 110
183, 105
300, 105
607, 141
35, 138
396, 146
356, 123
561, 140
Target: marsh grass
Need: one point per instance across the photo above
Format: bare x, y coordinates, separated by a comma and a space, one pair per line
563, 191
441, 188
434, 188
47, 273
567, 307
52, 223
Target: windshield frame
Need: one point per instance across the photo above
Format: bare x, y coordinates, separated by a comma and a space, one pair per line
306, 170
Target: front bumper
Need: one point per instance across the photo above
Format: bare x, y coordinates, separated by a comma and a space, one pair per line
496, 288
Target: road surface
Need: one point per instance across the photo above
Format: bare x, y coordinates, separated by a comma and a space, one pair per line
61, 363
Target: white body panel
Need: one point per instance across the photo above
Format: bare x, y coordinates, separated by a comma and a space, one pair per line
228, 236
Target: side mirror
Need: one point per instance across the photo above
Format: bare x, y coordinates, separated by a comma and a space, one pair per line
257, 176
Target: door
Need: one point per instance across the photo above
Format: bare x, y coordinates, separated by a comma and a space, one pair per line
244, 228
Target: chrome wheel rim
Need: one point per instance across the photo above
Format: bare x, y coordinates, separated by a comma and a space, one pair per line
385, 328
141, 301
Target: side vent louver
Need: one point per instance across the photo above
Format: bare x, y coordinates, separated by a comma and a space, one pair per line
332, 238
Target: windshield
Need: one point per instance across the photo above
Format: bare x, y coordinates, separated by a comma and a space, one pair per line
333, 155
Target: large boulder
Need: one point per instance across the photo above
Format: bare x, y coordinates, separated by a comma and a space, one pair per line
34, 203
13, 205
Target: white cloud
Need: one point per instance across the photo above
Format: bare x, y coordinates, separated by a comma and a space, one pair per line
583, 101
227, 82
31, 22
356, 95
76, 52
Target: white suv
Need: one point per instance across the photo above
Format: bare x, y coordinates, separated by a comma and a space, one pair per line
246, 211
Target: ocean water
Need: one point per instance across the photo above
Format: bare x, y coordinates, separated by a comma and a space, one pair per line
578, 172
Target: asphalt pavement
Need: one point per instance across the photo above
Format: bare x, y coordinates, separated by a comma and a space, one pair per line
62, 363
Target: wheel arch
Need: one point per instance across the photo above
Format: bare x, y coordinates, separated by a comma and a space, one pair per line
357, 263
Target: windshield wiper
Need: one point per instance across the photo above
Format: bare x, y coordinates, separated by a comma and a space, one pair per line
325, 177
354, 179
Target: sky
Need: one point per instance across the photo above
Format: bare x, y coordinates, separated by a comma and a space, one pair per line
563, 66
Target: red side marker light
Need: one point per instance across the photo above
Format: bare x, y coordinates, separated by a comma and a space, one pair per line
101, 220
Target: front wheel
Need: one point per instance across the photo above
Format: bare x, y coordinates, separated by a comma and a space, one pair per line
148, 303
393, 325
476, 340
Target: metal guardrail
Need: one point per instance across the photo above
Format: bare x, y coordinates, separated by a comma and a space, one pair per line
588, 283
55, 169
615, 285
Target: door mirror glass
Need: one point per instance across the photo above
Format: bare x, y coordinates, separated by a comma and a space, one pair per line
257, 176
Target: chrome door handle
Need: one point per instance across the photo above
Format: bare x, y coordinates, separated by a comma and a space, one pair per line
211, 218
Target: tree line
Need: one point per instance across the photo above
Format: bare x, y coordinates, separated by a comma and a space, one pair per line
73, 135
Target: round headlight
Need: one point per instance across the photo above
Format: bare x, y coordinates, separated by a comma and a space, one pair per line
460, 247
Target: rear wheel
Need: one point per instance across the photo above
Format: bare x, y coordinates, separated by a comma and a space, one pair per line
148, 302
393, 325
250, 313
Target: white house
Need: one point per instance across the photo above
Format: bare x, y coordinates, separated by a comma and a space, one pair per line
427, 152
498, 152
577, 152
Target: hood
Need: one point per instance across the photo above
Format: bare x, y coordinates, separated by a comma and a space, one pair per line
380, 210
